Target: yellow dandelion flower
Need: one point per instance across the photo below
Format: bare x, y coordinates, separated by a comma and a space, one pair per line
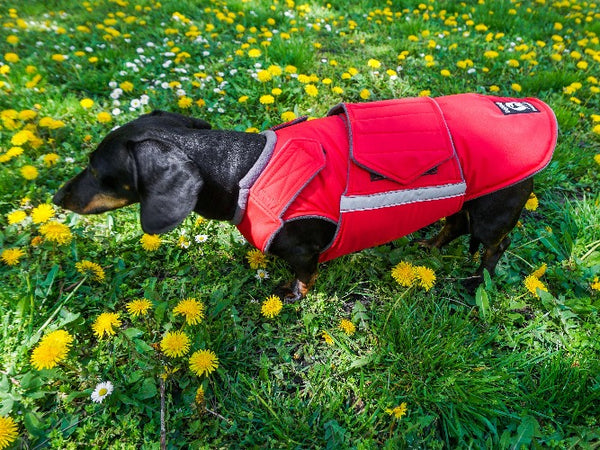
254, 53
327, 338
184, 102
595, 285
288, 116
203, 362
445, 73
150, 242
199, 398
15, 217
426, 277
373, 63
42, 213
191, 309
8, 431
22, 137
516, 87
267, 99
347, 327
533, 283
256, 259
51, 350
538, 273
50, 159
29, 172
57, 232
404, 274
311, 90
138, 307
11, 256
91, 269
491, 54
103, 117
398, 412
175, 344
264, 75
104, 324
596, 129
365, 94
127, 86
271, 307
86, 103
532, 203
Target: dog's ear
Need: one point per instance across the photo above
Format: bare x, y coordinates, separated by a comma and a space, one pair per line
167, 182
186, 121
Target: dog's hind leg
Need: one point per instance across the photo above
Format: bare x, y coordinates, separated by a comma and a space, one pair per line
456, 225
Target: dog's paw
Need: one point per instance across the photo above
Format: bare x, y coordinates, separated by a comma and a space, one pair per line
472, 283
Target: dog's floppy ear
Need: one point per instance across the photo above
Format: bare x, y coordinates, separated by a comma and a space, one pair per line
167, 182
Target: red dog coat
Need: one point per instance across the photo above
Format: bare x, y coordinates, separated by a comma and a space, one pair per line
382, 170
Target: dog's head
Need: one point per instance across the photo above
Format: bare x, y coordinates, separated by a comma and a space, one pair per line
139, 162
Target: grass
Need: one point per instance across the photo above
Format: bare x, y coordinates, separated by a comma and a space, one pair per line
506, 368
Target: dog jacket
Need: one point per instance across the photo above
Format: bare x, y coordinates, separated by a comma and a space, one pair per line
382, 170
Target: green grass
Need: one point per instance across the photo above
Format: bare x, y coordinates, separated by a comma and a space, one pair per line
501, 369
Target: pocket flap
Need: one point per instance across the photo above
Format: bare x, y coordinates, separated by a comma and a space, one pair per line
398, 139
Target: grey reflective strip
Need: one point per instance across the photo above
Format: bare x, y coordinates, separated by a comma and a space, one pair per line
397, 198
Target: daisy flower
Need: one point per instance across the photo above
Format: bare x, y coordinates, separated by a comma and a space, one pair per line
8, 431
201, 238
347, 327
203, 362
191, 309
51, 350
104, 324
102, 391
261, 274
175, 344
138, 307
271, 307
91, 269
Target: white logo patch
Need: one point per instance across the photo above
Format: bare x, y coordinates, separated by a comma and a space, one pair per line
508, 108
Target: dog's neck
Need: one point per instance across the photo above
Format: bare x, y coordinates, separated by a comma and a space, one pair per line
224, 158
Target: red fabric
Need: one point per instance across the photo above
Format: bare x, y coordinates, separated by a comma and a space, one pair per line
382, 170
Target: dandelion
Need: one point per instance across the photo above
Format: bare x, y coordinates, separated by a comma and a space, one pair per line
150, 242
103, 117
29, 172
264, 75
191, 309
127, 86
184, 102
11, 57
8, 431
373, 63
57, 232
267, 99
256, 259
199, 397
516, 87
595, 285
90, 269
102, 391
203, 362
183, 242
50, 159
22, 137
596, 129
175, 344
311, 90
86, 103
16, 217
404, 274
365, 94
532, 203
138, 307
104, 324
254, 53
11, 256
445, 73
533, 283
347, 327
288, 116
271, 307
541, 271
42, 213
491, 54
426, 277
398, 412
327, 338
51, 350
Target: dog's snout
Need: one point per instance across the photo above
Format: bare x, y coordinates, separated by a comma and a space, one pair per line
59, 197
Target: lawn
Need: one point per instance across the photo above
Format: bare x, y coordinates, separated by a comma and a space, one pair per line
115, 339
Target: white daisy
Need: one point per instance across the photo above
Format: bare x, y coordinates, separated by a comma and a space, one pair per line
261, 274
200, 238
102, 391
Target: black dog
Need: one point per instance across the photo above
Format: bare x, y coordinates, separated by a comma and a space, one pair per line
173, 165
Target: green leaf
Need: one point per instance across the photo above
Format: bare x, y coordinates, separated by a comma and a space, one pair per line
483, 302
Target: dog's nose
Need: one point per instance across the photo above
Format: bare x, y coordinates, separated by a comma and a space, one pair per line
59, 197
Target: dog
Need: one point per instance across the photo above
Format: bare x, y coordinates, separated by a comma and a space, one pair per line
312, 190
